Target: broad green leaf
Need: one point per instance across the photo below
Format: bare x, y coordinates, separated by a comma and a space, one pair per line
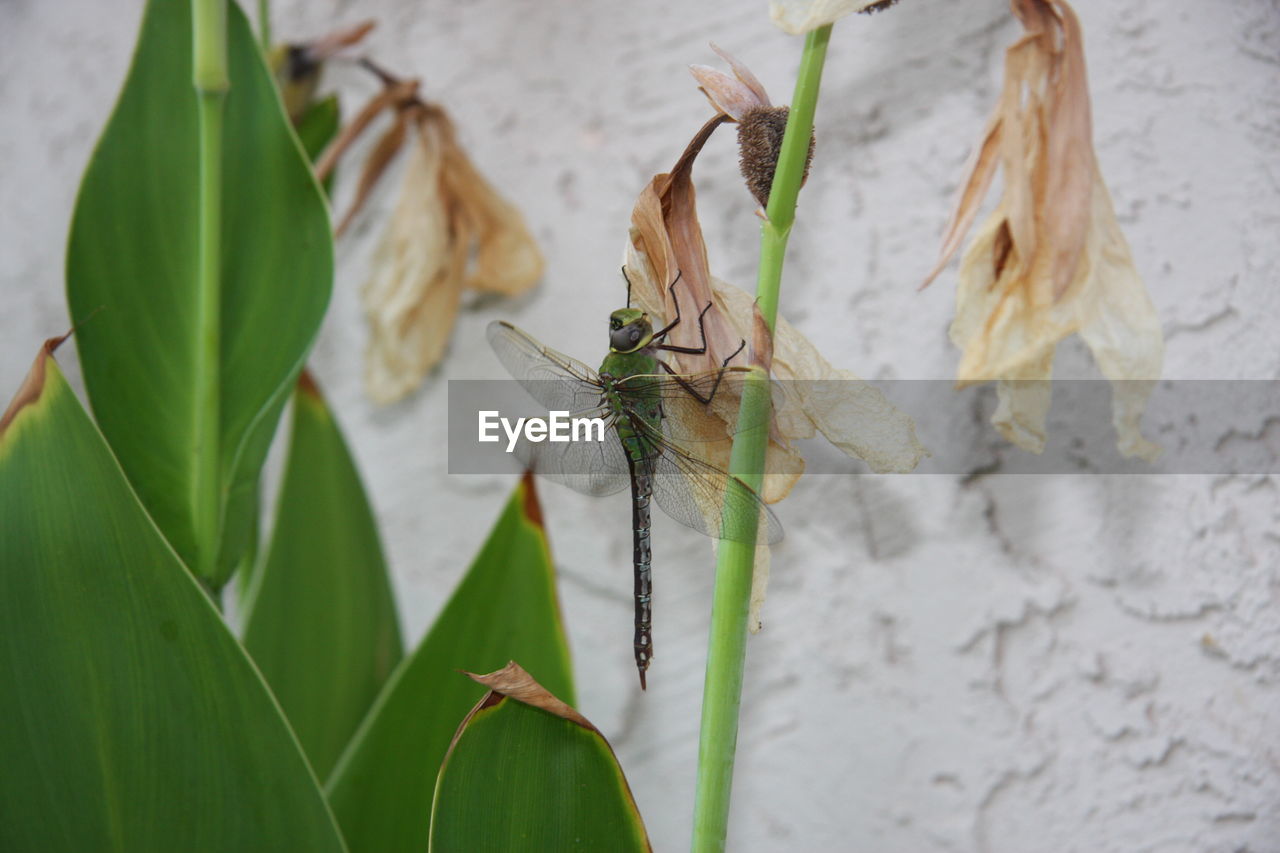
321, 621
132, 719
133, 253
528, 772
504, 608
316, 129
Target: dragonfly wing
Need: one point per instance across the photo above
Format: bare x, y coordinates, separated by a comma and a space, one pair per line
711, 501
590, 467
688, 418
555, 380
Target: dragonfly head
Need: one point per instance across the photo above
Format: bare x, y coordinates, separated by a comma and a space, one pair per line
629, 330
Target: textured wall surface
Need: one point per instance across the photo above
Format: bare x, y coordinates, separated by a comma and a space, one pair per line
992, 663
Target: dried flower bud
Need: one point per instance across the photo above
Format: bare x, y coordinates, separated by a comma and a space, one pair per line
761, 125
801, 16
760, 133
297, 66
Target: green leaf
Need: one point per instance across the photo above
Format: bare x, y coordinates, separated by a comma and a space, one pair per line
527, 772
321, 620
133, 253
132, 719
505, 607
316, 129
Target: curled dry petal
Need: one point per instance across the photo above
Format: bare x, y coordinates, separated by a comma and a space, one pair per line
1051, 260
507, 260
734, 96
335, 42
800, 16
726, 94
383, 153
666, 233
450, 230
389, 96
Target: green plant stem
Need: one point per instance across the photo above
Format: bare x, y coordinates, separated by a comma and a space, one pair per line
727, 646
209, 74
264, 26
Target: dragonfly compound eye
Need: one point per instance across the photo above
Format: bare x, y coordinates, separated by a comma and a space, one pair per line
635, 335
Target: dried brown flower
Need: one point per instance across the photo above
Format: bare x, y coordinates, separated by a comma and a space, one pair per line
1051, 260
451, 230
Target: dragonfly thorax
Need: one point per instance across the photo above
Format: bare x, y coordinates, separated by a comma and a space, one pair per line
629, 330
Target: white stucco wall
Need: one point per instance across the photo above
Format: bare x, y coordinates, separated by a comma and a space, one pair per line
1012, 663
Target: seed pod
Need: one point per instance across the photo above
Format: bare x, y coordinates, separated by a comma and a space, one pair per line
760, 133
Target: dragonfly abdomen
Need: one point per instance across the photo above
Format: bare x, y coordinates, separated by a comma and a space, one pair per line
641, 492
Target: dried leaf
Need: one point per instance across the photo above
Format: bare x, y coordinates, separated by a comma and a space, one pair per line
513, 681
666, 233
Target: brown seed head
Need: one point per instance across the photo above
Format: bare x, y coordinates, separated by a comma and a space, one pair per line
760, 133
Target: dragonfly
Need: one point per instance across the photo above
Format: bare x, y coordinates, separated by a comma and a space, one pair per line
644, 446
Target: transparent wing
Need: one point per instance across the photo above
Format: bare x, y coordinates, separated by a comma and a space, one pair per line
591, 467
711, 501
552, 378
688, 418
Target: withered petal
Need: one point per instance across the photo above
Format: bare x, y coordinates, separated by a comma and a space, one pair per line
978, 174
726, 94
415, 283
379, 158
507, 258
388, 97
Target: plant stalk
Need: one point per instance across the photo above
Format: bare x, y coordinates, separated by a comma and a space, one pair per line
211, 80
727, 645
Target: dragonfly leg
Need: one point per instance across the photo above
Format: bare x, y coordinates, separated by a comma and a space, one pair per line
698, 350
702, 331
715, 386
658, 335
